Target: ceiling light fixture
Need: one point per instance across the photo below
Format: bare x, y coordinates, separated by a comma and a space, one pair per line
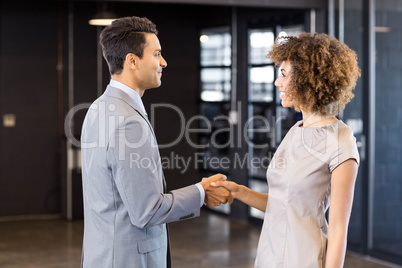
103, 18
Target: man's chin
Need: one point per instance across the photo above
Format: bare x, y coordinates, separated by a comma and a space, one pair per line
155, 86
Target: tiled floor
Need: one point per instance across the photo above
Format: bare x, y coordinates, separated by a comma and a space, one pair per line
211, 240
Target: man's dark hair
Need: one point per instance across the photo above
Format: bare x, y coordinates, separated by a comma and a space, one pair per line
125, 35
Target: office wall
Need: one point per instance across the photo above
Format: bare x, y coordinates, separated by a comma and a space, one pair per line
375, 224
29, 155
387, 218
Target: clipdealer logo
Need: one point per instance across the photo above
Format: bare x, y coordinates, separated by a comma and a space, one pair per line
107, 119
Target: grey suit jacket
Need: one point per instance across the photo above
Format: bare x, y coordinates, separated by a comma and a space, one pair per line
125, 207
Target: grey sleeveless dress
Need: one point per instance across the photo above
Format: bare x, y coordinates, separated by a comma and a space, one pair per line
294, 233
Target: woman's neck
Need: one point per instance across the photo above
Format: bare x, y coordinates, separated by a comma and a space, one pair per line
316, 119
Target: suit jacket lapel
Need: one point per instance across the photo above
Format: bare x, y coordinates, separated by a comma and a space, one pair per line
117, 93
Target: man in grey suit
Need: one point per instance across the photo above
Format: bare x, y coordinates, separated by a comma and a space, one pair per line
126, 207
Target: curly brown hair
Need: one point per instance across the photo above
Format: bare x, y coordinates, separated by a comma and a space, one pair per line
323, 74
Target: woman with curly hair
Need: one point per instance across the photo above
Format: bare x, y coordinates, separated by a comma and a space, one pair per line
318, 158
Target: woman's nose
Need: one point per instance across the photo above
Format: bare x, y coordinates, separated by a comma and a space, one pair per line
277, 82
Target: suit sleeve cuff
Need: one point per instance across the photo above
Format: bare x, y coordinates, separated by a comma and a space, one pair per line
202, 193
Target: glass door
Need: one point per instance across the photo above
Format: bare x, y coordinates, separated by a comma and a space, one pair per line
261, 110
215, 96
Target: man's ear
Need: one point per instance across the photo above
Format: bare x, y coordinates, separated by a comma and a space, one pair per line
131, 60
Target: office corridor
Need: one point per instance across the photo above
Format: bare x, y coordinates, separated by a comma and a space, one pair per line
211, 240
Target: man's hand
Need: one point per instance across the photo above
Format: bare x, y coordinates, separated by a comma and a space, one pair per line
214, 196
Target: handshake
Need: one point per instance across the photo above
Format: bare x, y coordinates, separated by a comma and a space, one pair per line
218, 190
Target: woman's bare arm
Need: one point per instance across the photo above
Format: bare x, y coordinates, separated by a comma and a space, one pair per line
244, 194
343, 180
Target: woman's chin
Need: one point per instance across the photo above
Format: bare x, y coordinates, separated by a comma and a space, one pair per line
286, 104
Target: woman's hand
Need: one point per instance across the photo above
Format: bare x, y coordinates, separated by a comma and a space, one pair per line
215, 196
231, 186
244, 194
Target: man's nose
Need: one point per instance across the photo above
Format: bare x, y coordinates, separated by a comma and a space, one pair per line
163, 62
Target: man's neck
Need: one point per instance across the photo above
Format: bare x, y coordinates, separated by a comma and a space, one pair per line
127, 82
